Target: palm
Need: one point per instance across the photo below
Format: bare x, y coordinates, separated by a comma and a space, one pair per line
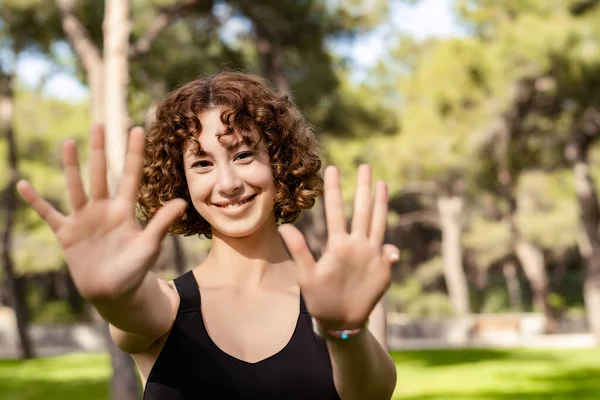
343, 287
106, 252
101, 250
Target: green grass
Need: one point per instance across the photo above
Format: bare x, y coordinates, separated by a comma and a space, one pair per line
78, 376
498, 374
422, 375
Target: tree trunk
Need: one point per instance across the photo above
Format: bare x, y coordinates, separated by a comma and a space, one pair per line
107, 79
532, 261
270, 54
271, 59
576, 152
16, 288
589, 217
450, 209
95, 80
530, 256
116, 30
509, 270
178, 250
314, 228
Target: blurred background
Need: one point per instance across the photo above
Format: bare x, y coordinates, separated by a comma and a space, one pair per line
483, 116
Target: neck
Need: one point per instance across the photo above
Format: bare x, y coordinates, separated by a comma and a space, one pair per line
250, 261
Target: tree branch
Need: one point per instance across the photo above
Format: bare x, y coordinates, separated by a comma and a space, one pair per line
78, 35
583, 6
268, 47
162, 20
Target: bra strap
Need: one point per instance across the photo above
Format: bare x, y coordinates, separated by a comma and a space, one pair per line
189, 293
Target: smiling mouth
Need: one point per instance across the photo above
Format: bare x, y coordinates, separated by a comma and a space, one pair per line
238, 204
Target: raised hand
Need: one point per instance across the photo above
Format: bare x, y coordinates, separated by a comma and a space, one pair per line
343, 287
107, 253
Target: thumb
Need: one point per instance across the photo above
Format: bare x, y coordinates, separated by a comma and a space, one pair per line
163, 219
390, 253
296, 244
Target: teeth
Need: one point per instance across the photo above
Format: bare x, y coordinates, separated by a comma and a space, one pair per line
235, 205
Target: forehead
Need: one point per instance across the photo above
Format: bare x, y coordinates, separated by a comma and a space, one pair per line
215, 135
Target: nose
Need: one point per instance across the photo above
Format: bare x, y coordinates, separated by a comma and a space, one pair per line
228, 181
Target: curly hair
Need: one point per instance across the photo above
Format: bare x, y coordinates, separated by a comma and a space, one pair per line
247, 105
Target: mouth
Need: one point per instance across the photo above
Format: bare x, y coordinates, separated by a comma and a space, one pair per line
234, 206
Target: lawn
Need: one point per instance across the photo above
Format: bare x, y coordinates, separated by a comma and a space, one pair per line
422, 375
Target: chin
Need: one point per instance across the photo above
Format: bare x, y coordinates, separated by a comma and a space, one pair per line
239, 230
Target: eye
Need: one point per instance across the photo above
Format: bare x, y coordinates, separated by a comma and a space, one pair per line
244, 155
201, 164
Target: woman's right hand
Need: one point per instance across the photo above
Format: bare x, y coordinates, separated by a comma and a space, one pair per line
107, 253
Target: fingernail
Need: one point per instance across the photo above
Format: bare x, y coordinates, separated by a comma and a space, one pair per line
395, 257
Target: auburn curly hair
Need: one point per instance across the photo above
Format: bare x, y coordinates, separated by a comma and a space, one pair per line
247, 105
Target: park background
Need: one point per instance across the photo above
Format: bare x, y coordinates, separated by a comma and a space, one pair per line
482, 115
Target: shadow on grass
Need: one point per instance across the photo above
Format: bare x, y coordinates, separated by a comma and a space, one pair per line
574, 384
438, 358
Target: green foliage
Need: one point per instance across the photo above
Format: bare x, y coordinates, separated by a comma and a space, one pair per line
53, 312
495, 301
489, 240
548, 214
412, 296
30, 24
41, 124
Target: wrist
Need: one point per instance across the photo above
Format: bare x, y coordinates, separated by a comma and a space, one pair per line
337, 335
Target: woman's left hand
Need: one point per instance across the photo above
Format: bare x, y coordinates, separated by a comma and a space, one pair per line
343, 287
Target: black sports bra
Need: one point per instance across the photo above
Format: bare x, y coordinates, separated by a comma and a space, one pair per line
192, 367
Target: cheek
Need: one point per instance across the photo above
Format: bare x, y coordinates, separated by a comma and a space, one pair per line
261, 177
198, 188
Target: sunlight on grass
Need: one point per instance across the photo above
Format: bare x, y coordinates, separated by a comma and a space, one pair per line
422, 375
79, 376
497, 374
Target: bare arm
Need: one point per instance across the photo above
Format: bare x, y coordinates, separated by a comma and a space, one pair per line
362, 367
138, 320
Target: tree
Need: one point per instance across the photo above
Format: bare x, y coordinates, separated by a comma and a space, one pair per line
564, 69
15, 286
21, 28
107, 74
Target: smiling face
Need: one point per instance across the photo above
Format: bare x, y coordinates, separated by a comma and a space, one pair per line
230, 183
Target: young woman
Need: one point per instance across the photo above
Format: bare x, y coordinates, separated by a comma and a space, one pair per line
228, 158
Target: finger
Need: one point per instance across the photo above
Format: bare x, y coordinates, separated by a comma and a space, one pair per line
159, 225
296, 244
77, 196
334, 204
134, 161
391, 254
380, 212
98, 183
361, 218
44, 209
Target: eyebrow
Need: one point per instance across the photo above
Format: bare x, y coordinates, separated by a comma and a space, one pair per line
229, 146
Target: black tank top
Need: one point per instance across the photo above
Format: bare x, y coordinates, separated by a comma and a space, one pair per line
192, 367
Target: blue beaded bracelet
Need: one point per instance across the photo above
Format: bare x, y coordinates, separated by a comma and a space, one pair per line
335, 335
